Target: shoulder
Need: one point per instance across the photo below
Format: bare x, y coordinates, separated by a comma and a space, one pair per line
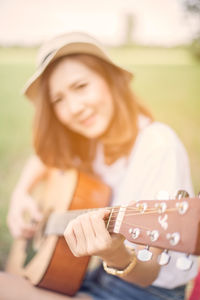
158, 145
159, 161
157, 135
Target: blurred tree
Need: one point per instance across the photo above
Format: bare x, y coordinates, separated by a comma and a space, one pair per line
193, 7
129, 26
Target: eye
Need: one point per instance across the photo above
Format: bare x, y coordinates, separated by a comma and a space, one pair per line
81, 86
56, 100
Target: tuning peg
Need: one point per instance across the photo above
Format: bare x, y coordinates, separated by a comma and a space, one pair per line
183, 263
182, 207
144, 254
164, 258
162, 195
134, 232
154, 235
142, 207
174, 238
161, 206
182, 194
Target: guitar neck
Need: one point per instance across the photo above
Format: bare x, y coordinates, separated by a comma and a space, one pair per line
171, 224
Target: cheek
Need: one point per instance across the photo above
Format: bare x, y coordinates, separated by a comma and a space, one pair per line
110, 107
62, 114
104, 101
107, 107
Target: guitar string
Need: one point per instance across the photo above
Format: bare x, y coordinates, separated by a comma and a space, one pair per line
137, 212
111, 219
146, 212
111, 226
116, 210
108, 208
124, 222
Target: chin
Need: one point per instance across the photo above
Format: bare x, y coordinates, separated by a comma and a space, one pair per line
93, 133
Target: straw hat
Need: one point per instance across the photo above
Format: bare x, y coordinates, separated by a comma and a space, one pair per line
69, 43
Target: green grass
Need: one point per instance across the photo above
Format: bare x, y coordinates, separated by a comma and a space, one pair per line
167, 80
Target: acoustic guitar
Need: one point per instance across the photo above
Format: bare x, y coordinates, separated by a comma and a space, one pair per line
46, 260
167, 224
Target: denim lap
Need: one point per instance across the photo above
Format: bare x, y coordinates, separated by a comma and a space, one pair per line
102, 286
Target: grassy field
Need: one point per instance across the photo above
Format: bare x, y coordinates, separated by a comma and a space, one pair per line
167, 80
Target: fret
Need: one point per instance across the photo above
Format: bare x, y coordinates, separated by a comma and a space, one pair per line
120, 217
108, 222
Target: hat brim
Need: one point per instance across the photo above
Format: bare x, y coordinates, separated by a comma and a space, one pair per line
31, 88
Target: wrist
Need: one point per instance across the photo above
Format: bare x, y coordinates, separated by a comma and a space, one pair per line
126, 269
120, 258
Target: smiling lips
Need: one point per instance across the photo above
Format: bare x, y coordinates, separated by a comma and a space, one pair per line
88, 121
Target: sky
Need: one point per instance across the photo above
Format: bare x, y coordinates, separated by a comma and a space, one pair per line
156, 22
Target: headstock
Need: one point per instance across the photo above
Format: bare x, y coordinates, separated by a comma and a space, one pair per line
167, 224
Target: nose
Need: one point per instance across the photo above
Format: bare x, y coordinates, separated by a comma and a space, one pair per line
75, 106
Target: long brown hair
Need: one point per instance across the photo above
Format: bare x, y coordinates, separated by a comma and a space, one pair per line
59, 147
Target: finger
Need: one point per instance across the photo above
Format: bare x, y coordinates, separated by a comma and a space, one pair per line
14, 230
19, 228
99, 225
30, 227
14, 225
27, 233
117, 239
80, 237
88, 230
103, 239
70, 237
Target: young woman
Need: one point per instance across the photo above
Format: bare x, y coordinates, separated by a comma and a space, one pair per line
87, 117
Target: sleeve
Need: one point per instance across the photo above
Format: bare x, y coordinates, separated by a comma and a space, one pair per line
159, 162
165, 169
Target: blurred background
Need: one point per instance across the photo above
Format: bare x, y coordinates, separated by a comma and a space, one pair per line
158, 40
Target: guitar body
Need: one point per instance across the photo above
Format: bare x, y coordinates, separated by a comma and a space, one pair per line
53, 266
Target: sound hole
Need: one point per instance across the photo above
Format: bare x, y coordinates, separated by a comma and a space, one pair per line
30, 252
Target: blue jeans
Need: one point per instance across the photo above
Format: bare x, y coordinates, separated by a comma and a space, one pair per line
102, 286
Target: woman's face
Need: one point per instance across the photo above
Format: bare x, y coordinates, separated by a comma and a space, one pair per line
81, 98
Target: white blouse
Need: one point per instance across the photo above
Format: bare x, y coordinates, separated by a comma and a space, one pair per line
158, 162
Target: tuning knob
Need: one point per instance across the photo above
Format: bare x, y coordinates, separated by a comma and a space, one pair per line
182, 194
154, 235
134, 232
182, 207
144, 254
161, 206
142, 207
174, 238
184, 263
164, 258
